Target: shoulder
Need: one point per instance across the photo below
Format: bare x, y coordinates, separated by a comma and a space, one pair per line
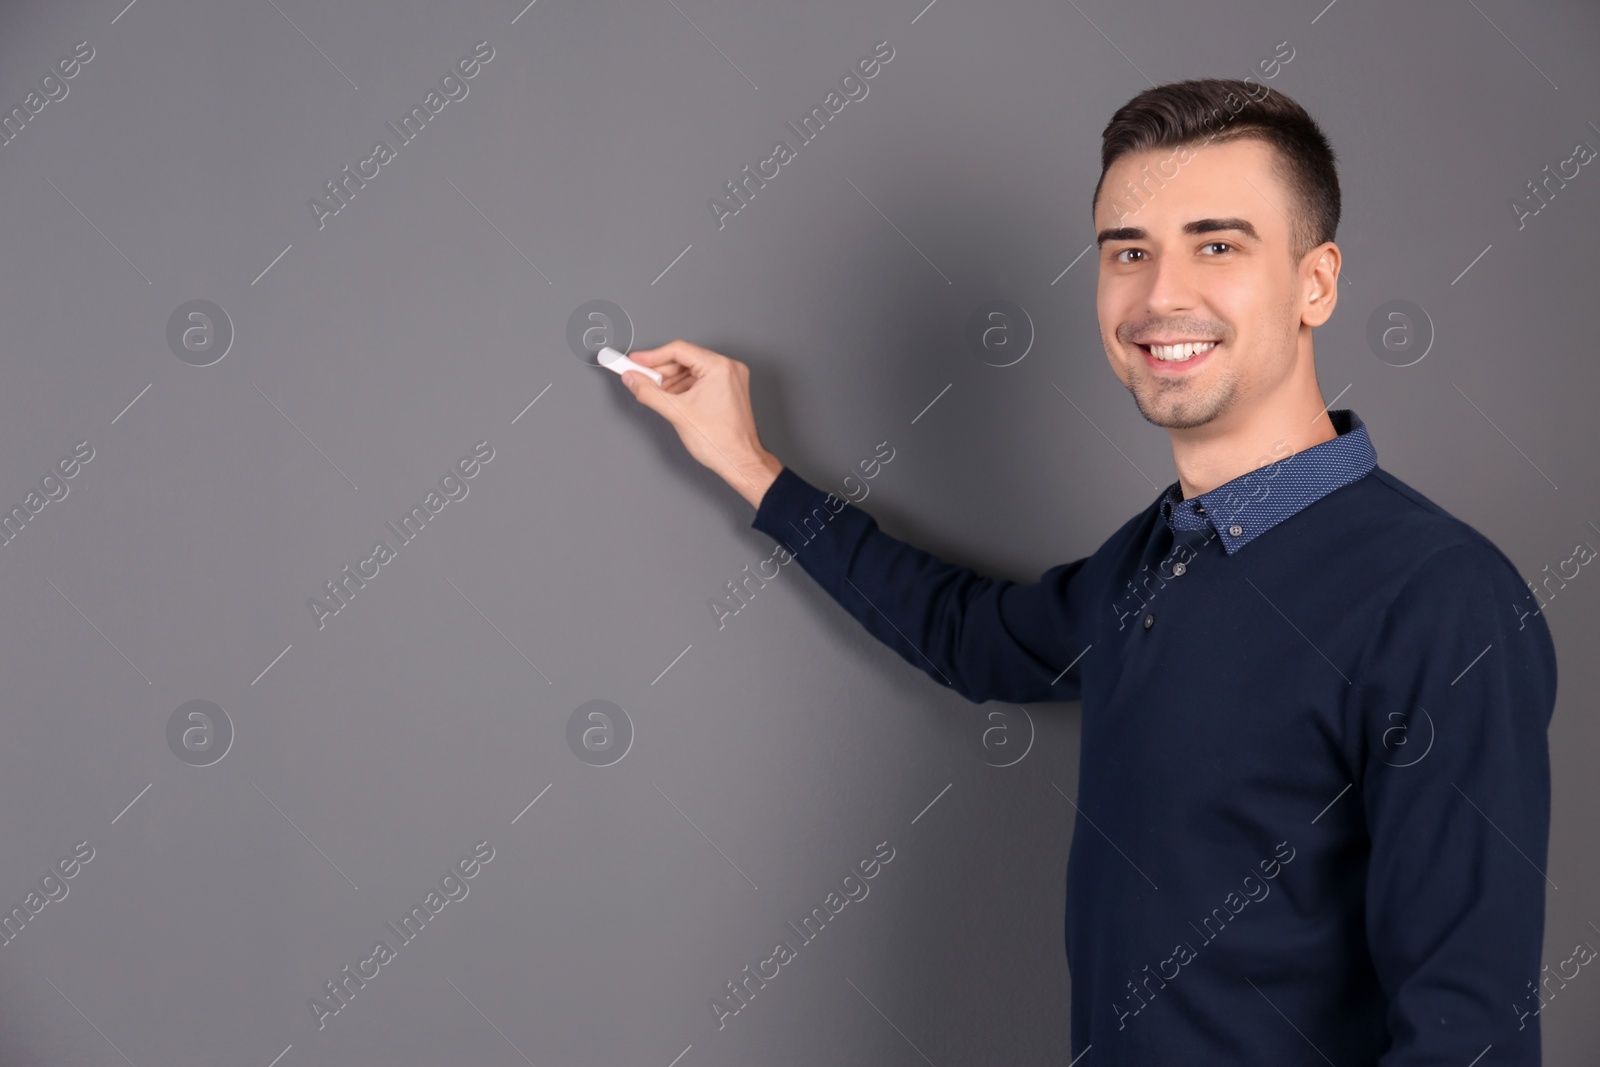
1424, 566
1119, 553
1422, 537
1449, 578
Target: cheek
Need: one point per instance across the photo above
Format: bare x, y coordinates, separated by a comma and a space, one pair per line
1114, 356
1266, 334
1115, 299
1252, 307
1115, 303
1274, 319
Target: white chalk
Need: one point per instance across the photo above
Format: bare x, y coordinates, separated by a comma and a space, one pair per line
611, 359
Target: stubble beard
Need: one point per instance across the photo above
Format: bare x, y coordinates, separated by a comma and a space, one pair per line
1183, 404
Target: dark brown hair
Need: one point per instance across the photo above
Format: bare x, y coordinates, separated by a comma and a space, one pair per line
1218, 110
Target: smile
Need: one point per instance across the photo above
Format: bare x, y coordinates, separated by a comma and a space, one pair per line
1179, 353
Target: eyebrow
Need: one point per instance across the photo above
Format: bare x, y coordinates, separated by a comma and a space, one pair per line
1136, 233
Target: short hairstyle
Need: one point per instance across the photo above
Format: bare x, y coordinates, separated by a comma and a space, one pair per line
1207, 110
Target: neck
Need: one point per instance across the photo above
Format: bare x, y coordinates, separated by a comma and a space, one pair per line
1288, 420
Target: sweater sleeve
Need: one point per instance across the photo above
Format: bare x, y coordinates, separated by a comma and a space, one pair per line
986, 638
1454, 698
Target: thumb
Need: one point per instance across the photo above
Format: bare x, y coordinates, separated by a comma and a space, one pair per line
644, 391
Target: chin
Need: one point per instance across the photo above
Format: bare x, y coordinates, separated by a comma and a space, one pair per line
1181, 420
1185, 414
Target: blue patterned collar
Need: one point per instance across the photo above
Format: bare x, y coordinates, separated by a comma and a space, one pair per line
1253, 503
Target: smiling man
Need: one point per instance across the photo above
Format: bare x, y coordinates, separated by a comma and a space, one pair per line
1313, 800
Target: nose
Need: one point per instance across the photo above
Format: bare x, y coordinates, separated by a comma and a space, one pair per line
1173, 287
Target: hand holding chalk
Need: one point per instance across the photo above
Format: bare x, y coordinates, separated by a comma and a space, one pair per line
706, 399
611, 359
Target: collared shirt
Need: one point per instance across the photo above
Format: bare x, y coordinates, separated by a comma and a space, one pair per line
1312, 802
1253, 503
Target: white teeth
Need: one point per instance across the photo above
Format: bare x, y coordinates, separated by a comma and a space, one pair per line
1178, 353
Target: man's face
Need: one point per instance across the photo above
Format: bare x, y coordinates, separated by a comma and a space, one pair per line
1201, 254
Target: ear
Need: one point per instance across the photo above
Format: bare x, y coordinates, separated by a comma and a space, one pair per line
1320, 283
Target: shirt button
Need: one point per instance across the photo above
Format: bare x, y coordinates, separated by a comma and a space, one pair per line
1178, 569
1199, 509
1236, 530
1149, 621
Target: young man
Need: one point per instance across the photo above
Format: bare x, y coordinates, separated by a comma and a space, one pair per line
1314, 780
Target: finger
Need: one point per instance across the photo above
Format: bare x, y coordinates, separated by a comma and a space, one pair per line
644, 390
657, 359
691, 357
650, 357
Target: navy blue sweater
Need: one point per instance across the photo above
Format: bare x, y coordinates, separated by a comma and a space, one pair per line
1313, 795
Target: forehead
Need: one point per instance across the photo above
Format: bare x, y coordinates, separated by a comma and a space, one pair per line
1236, 179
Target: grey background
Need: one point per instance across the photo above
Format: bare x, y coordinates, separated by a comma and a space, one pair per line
774, 753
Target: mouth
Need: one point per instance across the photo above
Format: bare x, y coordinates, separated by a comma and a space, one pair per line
1173, 357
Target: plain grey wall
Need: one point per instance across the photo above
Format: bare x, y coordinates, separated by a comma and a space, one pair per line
772, 754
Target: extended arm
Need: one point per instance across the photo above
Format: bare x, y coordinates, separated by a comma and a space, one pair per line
988, 639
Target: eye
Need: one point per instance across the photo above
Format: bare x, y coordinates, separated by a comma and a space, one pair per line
1118, 256
1217, 244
